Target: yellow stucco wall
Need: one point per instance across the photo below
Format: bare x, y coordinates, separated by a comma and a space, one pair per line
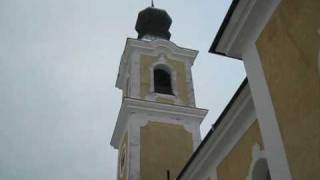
289, 47
124, 142
236, 164
163, 147
145, 75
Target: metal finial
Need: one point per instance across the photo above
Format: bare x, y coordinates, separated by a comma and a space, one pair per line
152, 4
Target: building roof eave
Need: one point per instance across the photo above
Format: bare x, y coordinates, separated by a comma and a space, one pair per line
225, 22
211, 132
242, 26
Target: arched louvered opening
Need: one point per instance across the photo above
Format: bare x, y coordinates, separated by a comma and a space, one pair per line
162, 80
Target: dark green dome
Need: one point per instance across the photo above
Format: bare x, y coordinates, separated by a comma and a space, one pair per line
154, 22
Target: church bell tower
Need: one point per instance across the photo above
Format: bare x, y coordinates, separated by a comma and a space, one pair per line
158, 126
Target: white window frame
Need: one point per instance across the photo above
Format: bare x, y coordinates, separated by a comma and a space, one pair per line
162, 61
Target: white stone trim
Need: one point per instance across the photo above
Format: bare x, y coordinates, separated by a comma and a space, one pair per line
253, 18
119, 152
118, 166
163, 46
135, 113
238, 23
134, 153
153, 48
191, 95
235, 123
276, 156
173, 74
130, 106
152, 95
135, 81
149, 37
257, 154
139, 118
245, 26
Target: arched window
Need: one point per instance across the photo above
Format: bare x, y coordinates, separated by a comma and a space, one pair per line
162, 81
261, 170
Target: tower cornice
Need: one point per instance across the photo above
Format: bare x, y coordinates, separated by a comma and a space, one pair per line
131, 106
155, 47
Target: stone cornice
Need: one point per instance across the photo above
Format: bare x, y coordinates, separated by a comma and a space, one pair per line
160, 46
131, 106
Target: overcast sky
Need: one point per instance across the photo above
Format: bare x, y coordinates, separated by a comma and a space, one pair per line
58, 66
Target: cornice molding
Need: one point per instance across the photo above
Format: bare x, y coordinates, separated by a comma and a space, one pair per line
244, 26
158, 46
131, 106
160, 43
232, 127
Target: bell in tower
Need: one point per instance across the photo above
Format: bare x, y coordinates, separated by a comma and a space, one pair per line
158, 126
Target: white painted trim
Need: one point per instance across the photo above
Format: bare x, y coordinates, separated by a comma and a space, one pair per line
257, 154
154, 48
164, 45
152, 95
122, 74
175, 98
243, 46
134, 145
131, 63
270, 131
135, 81
132, 106
191, 95
119, 152
173, 74
235, 123
149, 37
118, 166
246, 24
140, 119
135, 105
242, 14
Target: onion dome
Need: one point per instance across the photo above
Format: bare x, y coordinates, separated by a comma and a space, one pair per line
153, 22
